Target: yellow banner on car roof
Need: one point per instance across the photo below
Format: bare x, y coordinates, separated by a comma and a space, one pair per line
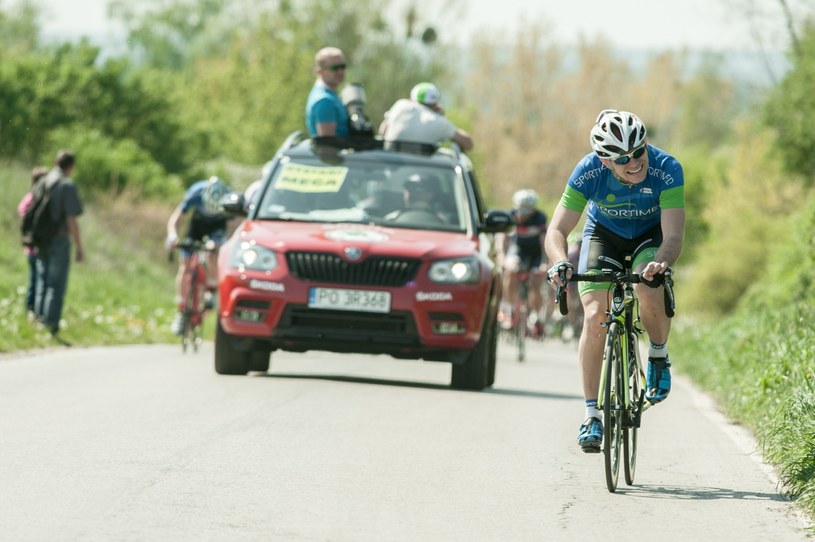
303, 178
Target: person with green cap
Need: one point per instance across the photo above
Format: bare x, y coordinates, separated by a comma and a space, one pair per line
421, 120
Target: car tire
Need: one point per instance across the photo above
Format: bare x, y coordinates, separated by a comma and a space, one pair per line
492, 352
260, 360
229, 360
473, 374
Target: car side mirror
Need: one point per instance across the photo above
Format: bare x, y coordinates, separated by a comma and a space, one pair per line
497, 221
234, 204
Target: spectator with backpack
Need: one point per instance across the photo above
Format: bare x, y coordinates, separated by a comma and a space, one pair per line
31, 251
62, 205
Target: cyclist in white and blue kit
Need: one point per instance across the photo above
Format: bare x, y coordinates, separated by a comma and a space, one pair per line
635, 201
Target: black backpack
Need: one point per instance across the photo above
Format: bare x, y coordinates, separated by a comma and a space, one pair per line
38, 225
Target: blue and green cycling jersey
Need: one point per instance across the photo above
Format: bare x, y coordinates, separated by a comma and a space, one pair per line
627, 210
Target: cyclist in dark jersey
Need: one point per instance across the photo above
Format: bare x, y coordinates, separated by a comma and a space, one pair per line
203, 202
523, 249
634, 193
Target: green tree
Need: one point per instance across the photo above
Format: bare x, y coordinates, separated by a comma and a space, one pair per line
19, 28
791, 110
748, 198
168, 34
242, 98
66, 86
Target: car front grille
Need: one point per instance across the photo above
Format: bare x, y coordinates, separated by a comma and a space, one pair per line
341, 331
375, 271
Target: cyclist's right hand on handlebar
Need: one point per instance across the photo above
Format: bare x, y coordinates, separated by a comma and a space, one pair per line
171, 242
559, 273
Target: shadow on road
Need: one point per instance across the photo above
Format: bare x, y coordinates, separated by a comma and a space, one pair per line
359, 380
530, 393
422, 385
696, 493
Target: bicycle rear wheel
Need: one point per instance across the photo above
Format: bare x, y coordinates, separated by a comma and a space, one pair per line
612, 405
187, 332
522, 328
191, 304
197, 339
635, 379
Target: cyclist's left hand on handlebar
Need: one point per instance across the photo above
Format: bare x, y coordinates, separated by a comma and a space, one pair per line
560, 272
654, 273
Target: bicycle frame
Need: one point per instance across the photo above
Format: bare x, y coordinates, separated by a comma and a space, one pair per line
193, 286
623, 304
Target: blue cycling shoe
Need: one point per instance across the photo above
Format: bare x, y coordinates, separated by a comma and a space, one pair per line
659, 380
591, 435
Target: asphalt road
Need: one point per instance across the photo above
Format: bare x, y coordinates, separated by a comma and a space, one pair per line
146, 443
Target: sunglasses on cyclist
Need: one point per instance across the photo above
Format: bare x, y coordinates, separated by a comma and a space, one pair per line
337, 67
624, 159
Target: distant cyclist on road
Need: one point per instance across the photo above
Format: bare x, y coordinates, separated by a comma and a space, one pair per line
208, 219
523, 247
635, 197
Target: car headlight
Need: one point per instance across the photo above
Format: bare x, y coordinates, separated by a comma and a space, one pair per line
457, 271
248, 255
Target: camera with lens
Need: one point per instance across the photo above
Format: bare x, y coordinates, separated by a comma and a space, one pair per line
353, 98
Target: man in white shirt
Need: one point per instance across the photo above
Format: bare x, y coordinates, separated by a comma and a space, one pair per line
421, 120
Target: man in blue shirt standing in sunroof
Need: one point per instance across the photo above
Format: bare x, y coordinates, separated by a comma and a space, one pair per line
325, 113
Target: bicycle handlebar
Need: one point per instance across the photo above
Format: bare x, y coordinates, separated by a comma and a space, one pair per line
192, 245
616, 277
196, 244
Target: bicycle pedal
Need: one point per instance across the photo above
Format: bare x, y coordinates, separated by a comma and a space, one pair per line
590, 448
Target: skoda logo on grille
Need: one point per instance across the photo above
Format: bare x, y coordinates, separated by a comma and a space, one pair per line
353, 253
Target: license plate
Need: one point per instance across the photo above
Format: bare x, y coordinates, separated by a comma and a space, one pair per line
349, 300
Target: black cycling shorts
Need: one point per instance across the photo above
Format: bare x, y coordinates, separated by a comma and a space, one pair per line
604, 249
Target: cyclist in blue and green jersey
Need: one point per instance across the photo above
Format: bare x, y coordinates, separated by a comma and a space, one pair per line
634, 196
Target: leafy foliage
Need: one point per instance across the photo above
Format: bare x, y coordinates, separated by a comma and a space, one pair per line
42, 92
748, 194
113, 166
791, 110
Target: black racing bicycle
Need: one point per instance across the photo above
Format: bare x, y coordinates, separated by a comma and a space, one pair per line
621, 395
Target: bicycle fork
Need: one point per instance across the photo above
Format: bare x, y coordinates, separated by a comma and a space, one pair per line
610, 338
629, 366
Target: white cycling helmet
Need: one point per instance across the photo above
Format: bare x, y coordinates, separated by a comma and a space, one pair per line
616, 133
214, 190
525, 199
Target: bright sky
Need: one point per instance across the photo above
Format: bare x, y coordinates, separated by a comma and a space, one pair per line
628, 24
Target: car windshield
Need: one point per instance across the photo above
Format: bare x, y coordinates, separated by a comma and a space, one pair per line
399, 194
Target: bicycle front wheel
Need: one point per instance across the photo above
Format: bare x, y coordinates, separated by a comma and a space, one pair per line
613, 405
634, 410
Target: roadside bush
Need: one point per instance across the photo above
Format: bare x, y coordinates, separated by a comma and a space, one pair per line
111, 166
745, 214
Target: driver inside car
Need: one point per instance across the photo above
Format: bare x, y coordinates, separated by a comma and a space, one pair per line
422, 196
